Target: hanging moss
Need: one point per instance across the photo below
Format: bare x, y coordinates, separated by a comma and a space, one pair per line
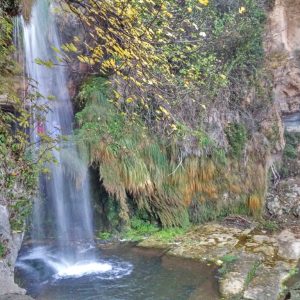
142, 174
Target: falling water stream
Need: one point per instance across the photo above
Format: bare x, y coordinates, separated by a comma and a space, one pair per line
63, 208
62, 261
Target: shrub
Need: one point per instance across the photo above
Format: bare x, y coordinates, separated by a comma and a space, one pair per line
252, 273
104, 235
140, 229
2, 250
290, 154
237, 137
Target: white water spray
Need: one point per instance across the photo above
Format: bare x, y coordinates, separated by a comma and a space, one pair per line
63, 210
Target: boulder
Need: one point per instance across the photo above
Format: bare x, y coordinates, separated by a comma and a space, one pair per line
289, 245
232, 285
266, 282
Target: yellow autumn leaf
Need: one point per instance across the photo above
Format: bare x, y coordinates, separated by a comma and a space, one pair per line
174, 127
129, 100
242, 10
162, 109
203, 2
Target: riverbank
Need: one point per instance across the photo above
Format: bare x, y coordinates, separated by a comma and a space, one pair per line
254, 262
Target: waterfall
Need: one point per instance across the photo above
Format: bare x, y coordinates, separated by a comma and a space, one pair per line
62, 226
63, 208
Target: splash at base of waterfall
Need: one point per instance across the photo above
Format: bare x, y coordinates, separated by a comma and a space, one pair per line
82, 269
57, 268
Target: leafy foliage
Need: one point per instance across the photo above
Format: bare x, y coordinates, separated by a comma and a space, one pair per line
2, 250
252, 273
171, 61
292, 142
104, 235
227, 262
20, 160
269, 225
237, 138
290, 155
139, 229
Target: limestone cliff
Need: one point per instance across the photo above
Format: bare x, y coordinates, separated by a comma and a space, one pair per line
282, 44
283, 51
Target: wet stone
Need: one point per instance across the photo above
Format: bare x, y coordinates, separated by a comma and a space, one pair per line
260, 239
266, 282
289, 245
233, 282
268, 251
294, 293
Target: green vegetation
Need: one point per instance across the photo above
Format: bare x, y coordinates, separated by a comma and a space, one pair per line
143, 123
290, 155
207, 51
293, 271
210, 210
169, 234
290, 151
144, 174
237, 138
252, 273
15, 168
228, 260
144, 119
2, 250
268, 225
140, 229
104, 235
292, 140
20, 161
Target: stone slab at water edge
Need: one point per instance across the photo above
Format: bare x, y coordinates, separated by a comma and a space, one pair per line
254, 265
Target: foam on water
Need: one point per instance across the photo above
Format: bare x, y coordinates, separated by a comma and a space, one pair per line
62, 268
82, 269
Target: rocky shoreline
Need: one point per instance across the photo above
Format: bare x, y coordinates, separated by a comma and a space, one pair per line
253, 264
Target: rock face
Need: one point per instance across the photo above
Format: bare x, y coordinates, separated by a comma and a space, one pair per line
283, 47
283, 202
294, 293
11, 243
